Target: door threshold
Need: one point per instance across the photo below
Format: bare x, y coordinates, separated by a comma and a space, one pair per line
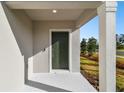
60, 71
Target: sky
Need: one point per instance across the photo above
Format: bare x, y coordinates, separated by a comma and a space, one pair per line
91, 29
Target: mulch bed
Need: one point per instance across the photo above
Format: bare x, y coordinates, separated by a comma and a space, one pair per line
92, 79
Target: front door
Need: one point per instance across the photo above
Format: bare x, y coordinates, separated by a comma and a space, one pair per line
60, 50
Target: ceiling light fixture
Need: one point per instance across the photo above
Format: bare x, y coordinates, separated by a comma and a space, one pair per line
54, 11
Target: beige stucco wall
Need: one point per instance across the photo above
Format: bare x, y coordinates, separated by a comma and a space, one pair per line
41, 62
15, 48
76, 50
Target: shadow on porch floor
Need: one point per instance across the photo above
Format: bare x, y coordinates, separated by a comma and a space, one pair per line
58, 82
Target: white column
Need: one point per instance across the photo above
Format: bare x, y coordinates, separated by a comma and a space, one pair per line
107, 46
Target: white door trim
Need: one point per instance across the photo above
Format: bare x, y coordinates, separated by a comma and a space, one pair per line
70, 47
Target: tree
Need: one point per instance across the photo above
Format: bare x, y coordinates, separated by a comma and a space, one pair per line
83, 46
97, 47
121, 39
91, 46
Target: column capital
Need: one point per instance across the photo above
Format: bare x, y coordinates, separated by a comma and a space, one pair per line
107, 6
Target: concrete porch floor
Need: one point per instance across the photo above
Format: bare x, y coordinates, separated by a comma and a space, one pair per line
58, 82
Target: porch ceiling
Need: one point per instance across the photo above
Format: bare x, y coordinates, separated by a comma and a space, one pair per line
53, 4
80, 11
47, 14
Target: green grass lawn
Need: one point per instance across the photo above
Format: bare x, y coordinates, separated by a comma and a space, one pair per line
85, 61
89, 69
122, 50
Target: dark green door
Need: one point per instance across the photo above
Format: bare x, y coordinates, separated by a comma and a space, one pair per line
60, 50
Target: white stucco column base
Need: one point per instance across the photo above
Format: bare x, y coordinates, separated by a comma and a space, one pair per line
107, 46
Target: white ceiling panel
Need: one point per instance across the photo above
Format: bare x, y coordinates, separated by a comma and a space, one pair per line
49, 15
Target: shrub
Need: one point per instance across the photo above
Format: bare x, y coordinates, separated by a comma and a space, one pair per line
120, 62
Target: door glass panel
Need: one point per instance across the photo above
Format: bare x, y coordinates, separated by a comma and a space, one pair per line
60, 51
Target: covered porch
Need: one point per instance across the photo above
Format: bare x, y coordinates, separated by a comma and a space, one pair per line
27, 40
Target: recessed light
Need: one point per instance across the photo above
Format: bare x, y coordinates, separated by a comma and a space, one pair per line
54, 11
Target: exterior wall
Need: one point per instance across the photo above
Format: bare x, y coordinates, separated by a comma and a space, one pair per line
76, 50
41, 40
15, 48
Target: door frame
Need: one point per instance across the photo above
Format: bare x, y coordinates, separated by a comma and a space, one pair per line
50, 49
